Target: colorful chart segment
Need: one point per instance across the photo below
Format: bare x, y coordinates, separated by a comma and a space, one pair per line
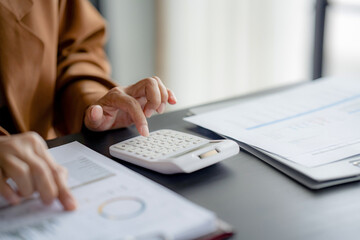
122, 208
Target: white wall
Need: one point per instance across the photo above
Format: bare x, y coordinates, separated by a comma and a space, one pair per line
206, 50
342, 45
132, 38
213, 49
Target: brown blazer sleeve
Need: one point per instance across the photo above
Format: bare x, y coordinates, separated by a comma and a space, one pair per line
82, 68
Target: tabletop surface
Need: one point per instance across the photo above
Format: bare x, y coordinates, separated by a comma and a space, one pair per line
257, 200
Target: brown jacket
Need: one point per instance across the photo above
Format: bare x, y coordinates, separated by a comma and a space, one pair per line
52, 63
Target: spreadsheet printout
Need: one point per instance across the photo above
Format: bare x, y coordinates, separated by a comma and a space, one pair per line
314, 124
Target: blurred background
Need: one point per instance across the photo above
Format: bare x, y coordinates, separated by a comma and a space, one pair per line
207, 50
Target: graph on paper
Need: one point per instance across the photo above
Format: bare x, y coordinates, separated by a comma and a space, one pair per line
122, 208
311, 125
114, 203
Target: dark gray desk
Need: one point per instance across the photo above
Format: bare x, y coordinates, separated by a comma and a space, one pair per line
256, 199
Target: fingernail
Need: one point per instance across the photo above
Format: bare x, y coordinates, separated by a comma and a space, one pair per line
161, 109
149, 112
144, 130
174, 97
71, 204
96, 112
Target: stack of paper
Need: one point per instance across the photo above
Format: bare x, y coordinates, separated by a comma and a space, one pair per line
114, 203
312, 125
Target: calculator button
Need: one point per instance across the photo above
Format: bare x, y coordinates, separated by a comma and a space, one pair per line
160, 145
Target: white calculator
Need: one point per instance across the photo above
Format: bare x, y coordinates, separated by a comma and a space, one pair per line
169, 151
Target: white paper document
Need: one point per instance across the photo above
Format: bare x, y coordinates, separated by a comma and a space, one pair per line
313, 124
114, 203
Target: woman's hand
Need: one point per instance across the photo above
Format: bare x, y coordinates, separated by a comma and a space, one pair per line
121, 107
25, 159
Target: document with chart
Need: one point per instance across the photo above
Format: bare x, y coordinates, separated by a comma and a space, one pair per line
114, 203
312, 125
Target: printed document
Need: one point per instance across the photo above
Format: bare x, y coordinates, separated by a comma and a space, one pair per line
313, 124
114, 203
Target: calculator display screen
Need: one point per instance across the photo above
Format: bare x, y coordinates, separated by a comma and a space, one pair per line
196, 149
208, 154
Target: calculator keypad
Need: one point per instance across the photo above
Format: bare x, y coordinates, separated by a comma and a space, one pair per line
160, 144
